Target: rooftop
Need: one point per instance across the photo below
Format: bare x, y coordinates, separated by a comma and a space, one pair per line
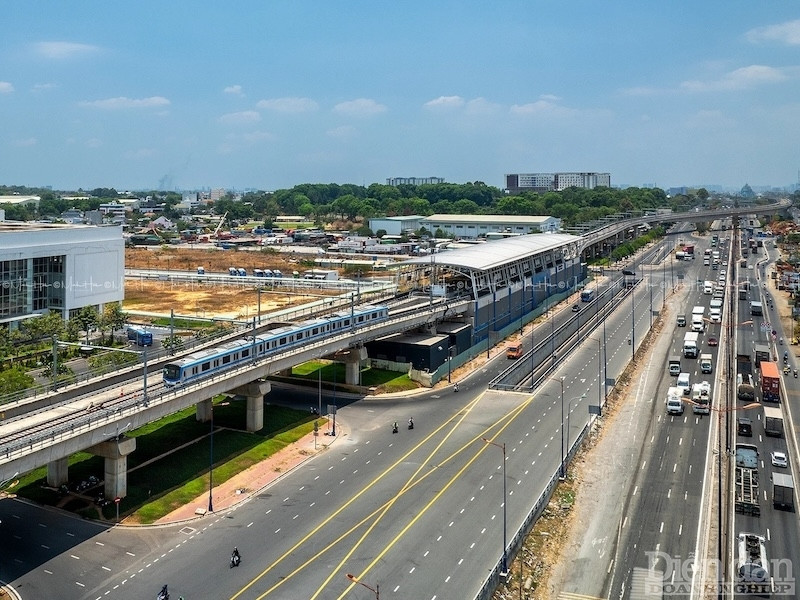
495, 219
493, 254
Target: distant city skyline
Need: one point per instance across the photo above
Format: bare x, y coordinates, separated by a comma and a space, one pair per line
183, 96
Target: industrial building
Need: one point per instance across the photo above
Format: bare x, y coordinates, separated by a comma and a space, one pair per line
61, 268
396, 225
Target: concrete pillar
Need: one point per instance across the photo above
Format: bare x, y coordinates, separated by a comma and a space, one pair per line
352, 360
254, 392
202, 411
57, 472
115, 475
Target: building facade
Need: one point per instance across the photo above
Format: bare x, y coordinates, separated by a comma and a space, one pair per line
396, 225
414, 180
554, 182
467, 227
61, 268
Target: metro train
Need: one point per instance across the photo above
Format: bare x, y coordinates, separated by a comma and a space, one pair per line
227, 355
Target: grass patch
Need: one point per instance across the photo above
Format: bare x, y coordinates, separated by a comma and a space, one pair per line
387, 381
183, 323
180, 450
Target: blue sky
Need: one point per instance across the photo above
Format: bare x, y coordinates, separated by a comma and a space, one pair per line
272, 93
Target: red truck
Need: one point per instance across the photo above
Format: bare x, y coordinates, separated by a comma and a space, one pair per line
770, 382
687, 249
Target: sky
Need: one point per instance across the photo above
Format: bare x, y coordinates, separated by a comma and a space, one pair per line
269, 94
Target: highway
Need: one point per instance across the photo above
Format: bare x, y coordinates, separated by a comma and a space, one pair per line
419, 513
780, 527
662, 520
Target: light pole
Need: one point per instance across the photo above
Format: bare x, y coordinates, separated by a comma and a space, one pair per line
633, 323
569, 411
376, 589
600, 380
211, 460
449, 358
503, 448
562, 473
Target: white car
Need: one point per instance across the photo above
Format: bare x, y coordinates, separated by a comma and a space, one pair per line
779, 459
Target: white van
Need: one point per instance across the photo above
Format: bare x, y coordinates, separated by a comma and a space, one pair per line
674, 404
683, 384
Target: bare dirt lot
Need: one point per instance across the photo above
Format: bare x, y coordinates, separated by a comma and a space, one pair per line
200, 299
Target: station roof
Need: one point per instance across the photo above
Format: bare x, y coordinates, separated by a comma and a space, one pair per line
494, 219
494, 254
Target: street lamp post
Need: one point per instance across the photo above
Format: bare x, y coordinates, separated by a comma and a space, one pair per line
503, 448
562, 473
211, 461
376, 590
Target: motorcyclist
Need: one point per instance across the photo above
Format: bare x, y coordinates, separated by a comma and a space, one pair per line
455, 387
163, 594
410, 423
394, 427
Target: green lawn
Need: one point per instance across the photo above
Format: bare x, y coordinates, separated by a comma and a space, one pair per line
387, 381
180, 449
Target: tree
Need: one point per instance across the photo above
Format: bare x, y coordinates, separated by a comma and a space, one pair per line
87, 318
114, 317
15, 379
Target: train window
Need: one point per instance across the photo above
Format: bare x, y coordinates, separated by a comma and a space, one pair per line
216, 363
245, 352
205, 366
315, 331
226, 359
345, 322
194, 371
282, 341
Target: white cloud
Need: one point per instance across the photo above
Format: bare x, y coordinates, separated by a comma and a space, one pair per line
288, 105
542, 108
26, 142
345, 132
94, 143
41, 87
64, 50
786, 33
481, 106
739, 79
361, 107
122, 102
6, 87
233, 89
239, 118
642, 91
445, 102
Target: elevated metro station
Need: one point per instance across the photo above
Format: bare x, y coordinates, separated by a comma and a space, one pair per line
508, 283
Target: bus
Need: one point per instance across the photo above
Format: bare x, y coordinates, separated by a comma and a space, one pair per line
587, 295
142, 337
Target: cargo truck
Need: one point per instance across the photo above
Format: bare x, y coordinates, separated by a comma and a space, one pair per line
773, 421
756, 308
746, 492
782, 491
674, 365
706, 365
681, 320
701, 398
770, 382
690, 347
762, 353
752, 566
674, 401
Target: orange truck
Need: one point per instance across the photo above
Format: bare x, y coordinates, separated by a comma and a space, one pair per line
514, 350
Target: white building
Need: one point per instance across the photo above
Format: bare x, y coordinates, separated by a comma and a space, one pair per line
549, 182
476, 226
414, 180
62, 268
396, 225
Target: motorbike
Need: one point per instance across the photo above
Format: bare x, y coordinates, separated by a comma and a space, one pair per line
411, 424
786, 370
795, 373
455, 388
235, 560
394, 428
163, 594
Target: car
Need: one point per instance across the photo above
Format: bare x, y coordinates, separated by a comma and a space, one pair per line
712, 341
576, 307
779, 459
